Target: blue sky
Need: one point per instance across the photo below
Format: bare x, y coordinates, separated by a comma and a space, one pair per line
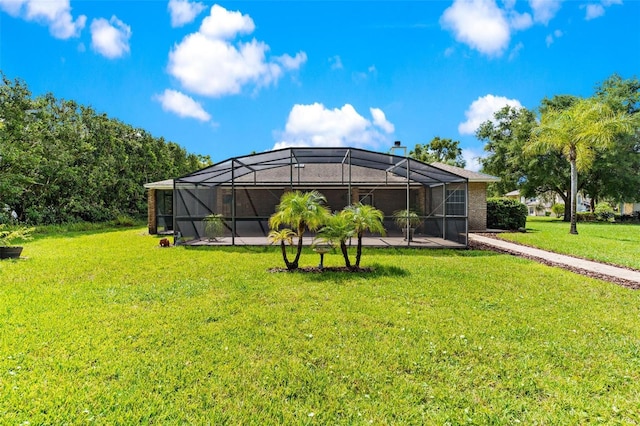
229, 78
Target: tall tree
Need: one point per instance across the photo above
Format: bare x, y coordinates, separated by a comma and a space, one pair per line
579, 131
441, 150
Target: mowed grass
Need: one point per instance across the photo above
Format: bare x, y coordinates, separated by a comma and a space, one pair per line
614, 243
107, 328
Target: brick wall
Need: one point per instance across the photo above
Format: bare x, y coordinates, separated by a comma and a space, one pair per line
477, 206
151, 212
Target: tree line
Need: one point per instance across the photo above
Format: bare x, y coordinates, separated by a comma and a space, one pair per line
568, 145
599, 137
64, 162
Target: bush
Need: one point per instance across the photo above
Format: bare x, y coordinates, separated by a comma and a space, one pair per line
558, 209
585, 217
604, 212
124, 221
506, 213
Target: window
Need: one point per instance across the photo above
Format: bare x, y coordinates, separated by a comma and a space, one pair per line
456, 200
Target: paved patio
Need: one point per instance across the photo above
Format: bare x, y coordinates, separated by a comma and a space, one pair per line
418, 242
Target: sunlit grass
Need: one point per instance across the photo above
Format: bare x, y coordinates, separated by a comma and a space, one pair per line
109, 328
606, 242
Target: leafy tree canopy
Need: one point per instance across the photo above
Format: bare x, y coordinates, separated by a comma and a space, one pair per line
441, 150
61, 161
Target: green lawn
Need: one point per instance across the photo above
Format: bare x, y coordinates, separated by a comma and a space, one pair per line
605, 242
107, 328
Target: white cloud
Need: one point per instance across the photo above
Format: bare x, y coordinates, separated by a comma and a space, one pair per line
223, 24
516, 51
520, 21
380, 120
544, 10
208, 63
487, 28
316, 125
481, 24
184, 12
483, 109
110, 38
553, 37
56, 14
336, 62
596, 10
182, 105
471, 159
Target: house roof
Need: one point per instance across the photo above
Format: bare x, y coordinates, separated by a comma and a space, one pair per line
293, 161
161, 184
470, 175
515, 193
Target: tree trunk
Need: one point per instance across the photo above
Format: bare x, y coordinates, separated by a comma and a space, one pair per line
345, 254
574, 192
359, 251
284, 256
294, 264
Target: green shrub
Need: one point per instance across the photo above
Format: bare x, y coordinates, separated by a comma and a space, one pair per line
585, 217
604, 212
124, 221
506, 213
214, 226
558, 209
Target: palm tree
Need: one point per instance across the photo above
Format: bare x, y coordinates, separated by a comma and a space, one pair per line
336, 231
579, 131
364, 218
300, 211
283, 236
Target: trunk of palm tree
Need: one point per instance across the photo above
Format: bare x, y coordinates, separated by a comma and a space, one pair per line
345, 254
359, 250
574, 191
284, 255
294, 264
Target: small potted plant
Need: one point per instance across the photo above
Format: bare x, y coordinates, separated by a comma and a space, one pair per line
400, 217
7, 238
214, 227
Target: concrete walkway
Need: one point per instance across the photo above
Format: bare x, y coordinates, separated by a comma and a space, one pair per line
599, 269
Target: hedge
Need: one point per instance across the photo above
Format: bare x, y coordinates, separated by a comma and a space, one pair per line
506, 213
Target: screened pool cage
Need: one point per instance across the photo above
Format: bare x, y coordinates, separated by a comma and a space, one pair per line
245, 192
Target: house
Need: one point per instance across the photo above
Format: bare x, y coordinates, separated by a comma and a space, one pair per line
246, 190
541, 204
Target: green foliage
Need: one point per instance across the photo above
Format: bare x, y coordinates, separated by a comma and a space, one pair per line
214, 226
580, 131
11, 234
93, 331
558, 209
63, 162
506, 213
124, 221
400, 218
299, 211
337, 229
365, 218
440, 150
604, 212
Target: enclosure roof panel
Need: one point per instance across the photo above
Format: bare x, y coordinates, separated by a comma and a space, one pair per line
290, 159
